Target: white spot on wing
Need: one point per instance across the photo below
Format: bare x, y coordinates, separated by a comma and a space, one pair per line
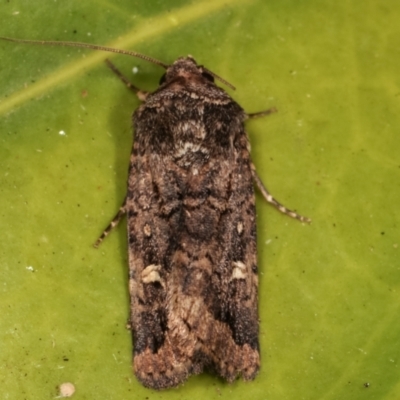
147, 230
150, 274
239, 270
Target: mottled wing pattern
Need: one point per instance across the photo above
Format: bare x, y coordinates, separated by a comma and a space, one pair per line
192, 238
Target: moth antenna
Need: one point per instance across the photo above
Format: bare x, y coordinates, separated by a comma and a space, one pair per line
219, 78
108, 49
88, 46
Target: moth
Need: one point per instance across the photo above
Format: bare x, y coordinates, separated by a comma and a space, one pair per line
190, 207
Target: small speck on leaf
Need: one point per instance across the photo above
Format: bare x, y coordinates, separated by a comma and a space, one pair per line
67, 389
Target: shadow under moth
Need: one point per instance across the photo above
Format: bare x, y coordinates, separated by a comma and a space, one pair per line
190, 206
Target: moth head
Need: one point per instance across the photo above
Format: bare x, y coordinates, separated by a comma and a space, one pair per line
187, 68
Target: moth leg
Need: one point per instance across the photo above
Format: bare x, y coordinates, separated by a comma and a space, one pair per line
139, 93
121, 212
262, 113
270, 199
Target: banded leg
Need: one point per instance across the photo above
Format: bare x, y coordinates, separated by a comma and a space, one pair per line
270, 199
121, 212
264, 191
262, 113
142, 96
139, 93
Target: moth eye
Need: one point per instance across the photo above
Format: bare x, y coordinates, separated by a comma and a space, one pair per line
208, 76
162, 79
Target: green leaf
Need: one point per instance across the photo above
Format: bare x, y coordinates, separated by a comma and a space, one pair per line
329, 302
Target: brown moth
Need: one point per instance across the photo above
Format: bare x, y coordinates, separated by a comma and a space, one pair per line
190, 206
